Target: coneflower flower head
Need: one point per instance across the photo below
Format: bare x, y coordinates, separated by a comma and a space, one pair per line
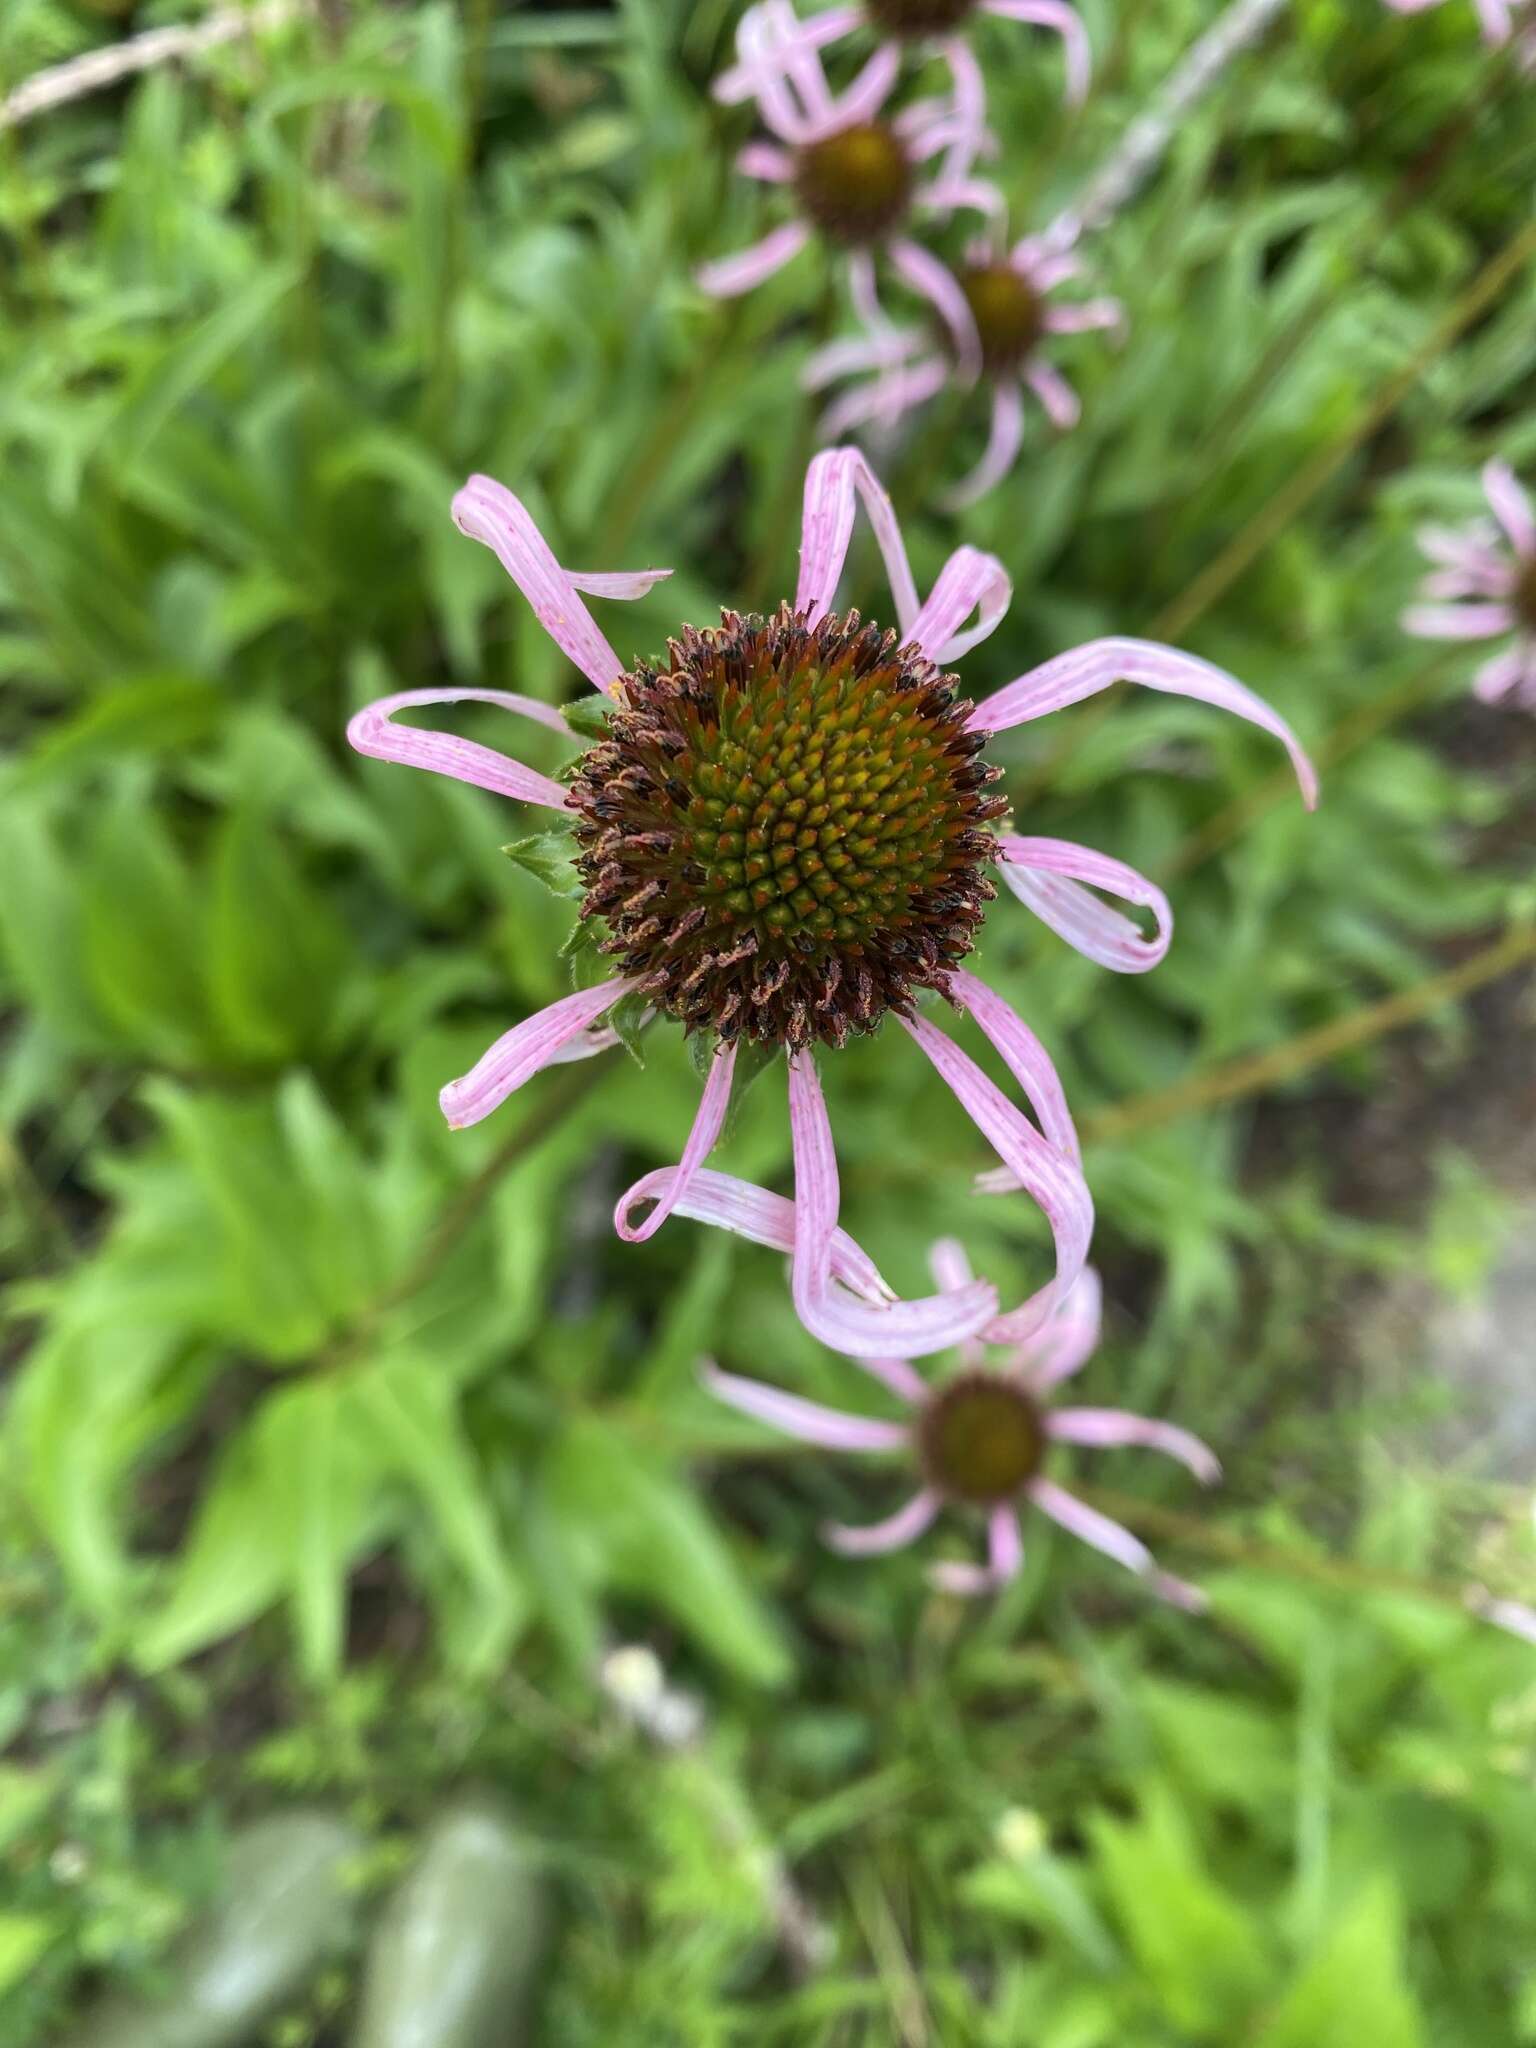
1483, 586
786, 829
979, 1440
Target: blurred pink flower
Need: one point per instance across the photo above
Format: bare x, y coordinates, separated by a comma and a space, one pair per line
979, 1440
772, 42
1005, 293
1496, 16
786, 833
1483, 586
854, 175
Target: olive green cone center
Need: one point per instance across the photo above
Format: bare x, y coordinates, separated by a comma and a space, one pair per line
981, 1438
912, 18
856, 185
1009, 315
1524, 598
785, 829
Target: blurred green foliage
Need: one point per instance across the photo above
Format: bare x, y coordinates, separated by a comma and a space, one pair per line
338, 1446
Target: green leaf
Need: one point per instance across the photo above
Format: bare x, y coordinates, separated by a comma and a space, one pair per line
549, 857
230, 1569
24, 1938
587, 716
1355, 1989
144, 933
277, 954
630, 1018
151, 715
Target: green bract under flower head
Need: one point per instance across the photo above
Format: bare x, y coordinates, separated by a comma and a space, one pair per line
912, 18
981, 1438
855, 185
1008, 312
785, 828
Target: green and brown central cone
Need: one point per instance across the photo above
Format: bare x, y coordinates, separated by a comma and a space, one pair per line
1524, 596
913, 18
1009, 315
856, 185
981, 1439
785, 828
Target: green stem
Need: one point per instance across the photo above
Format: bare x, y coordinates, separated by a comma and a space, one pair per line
1254, 1073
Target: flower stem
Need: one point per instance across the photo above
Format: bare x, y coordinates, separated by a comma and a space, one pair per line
1253, 1073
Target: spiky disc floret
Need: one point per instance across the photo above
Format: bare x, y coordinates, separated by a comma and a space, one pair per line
911, 18
981, 1438
1009, 316
855, 185
785, 828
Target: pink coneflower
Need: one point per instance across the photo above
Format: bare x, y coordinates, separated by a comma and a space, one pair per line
854, 175
979, 1440
1006, 295
772, 41
786, 835
1484, 586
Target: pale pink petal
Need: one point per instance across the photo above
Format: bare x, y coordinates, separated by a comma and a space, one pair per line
741, 81
1471, 548
1041, 265
961, 195
763, 1218
907, 1329
1467, 581
1023, 1055
1496, 19
894, 1533
1496, 678
889, 396
489, 513
937, 283
965, 1581
733, 275
807, 1420
616, 582
1054, 393
519, 1053
969, 126
1084, 317
900, 1378
1089, 1526
1052, 1179
870, 90
766, 162
970, 581
1458, 621
595, 1039
1114, 1429
836, 482
1047, 876
780, 69
713, 1104
1098, 665
372, 731
1069, 1339
1004, 439
1005, 1545
1511, 1615
856, 353
1178, 1592
949, 1264
1065, 21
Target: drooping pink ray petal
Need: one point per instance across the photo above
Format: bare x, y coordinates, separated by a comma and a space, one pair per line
1069, 678
781, 70
713, 1104
1513, 1616
1041, 265
962, 195
1086, 316
808, 1420
869, 91
1459, 547
1047, 876
1498, 23
741, 81
837, 480
936, 282
894, 1533
1497, 678
949, 1263
1005, 1545
964, 1581
969, 126
1458, 621
906, 1329
1089, 1526
1068, 1340
1004, 439
766, 1219
520, 1053
892, 394
856, 353
1114, 1429
595, 1039
897, 1376
1023, 1055
372, 731
732, 275
970, 581
1067, 24
1468, 581
1052, 1179
1061, 402
488, 512
622, 583
766, 162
